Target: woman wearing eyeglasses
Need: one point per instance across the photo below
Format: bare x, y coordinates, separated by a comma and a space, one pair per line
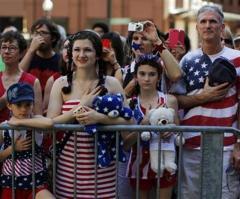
12, 49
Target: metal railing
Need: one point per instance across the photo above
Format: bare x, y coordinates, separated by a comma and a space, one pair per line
211, 148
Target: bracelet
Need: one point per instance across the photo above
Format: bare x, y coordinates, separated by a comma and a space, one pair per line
159, 48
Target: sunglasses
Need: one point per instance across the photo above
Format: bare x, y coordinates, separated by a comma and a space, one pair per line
228, 41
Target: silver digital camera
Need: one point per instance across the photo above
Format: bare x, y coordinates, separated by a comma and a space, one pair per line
132, 26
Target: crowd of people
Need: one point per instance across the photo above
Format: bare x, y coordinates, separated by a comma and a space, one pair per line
45, 81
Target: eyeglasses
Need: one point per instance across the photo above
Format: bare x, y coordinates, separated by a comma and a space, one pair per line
10, 49
41, 33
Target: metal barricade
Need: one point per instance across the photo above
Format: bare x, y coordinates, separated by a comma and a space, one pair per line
212, 155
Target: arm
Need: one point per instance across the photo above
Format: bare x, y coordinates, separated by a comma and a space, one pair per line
20, 145
35, 122
56, 101
110, 57
172, 68
207, 94
130, 88
3, 101
173, 103
35, 44
47, 92
37, 109
118, 72
91, 116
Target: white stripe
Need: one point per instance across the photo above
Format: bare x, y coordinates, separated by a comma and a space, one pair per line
101, 173
71, 159
87, 146
70, 156
215, 113
81, 182
232, 91
67, 164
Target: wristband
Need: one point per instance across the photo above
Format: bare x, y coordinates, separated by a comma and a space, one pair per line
159, 48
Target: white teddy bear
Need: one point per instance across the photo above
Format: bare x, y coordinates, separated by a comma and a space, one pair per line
161, 116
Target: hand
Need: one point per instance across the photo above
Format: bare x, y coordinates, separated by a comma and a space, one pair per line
36, 42
22, 144
13, 121
109, 55
90, 116
178, 51
166, 135
145, 120
214, 93
235, 157
150, 32
89, 95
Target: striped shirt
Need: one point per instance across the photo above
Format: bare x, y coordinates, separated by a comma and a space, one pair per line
217, 113
85, 178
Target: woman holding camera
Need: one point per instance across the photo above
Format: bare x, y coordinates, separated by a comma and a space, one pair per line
113, 55
148, 41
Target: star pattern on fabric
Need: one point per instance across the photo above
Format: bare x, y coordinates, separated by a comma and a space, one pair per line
196, 71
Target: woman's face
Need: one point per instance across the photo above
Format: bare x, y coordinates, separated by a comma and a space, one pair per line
10, 52
64, 51
143, 44
84, 54
147, 77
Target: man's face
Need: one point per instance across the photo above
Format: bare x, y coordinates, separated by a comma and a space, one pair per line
43, 32
209, 26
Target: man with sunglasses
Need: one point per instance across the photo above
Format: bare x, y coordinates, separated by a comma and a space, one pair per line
41, 60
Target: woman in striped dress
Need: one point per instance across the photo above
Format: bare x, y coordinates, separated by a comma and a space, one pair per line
80, 87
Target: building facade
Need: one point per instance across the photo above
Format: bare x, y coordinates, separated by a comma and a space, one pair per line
76, 15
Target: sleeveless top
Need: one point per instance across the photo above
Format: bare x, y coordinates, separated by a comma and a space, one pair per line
106, 177
26, 78
23, 163
145, 165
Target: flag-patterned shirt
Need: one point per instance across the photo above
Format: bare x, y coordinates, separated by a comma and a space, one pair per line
195, 66
23, 163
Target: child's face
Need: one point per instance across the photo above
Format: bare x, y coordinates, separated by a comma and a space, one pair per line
147, 77
21, 110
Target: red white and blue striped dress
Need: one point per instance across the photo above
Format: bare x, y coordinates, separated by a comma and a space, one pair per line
85, 168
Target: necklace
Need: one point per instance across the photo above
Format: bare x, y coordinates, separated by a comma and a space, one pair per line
149, 103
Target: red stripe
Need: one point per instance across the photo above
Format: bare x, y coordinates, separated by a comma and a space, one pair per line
80, 182
80, 147
199, 120
236, 62
225, 103
79, 151
71, 162
195, 142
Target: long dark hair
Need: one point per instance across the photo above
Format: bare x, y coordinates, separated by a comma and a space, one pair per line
97, 44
